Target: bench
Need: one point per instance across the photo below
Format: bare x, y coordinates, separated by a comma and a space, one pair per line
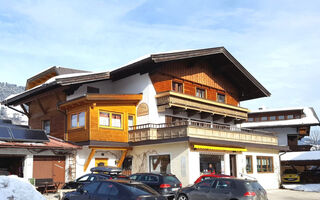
46, 185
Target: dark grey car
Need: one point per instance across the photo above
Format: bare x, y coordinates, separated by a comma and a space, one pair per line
223, 189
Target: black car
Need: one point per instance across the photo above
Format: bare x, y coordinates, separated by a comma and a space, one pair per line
114, 190
98, 173
166, 184
223, 189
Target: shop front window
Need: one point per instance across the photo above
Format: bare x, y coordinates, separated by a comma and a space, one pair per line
211, 164
160, 163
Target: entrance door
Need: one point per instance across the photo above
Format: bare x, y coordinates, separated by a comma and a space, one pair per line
233, 165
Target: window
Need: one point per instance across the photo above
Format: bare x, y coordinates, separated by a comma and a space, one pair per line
264, 164
281, 117
177, 87
249, 164
104, 119
91, 187
110, 120
290, 117
160, 163
108, 189
250, 119
272, 118
201, 93
46, 126
221, 98
264, 118
78, 120
130, 120
223, 184
116, 120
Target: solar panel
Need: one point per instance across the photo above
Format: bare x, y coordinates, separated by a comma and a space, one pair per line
27, 135
5, 134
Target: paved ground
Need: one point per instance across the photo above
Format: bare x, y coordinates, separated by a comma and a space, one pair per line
283, 194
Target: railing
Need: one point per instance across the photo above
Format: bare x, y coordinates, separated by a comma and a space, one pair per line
219, 127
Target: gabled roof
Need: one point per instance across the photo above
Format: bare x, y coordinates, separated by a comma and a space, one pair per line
54, 82
225, 64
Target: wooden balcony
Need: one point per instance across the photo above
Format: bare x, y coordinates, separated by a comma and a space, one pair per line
200, 130
187, 102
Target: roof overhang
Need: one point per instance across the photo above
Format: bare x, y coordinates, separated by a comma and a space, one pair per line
56, 83
225, 63
103, 98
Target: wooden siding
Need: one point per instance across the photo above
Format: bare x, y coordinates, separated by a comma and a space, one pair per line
48, 111
197, 75
110, 134
92, 130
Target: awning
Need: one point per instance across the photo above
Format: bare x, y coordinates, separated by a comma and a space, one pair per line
216, 148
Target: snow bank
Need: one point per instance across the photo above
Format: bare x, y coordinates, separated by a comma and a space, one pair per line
13, 187
304, 187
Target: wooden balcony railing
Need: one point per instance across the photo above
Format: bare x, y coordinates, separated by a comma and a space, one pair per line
199, 130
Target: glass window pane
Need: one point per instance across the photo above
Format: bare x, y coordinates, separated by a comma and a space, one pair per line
281, 117
221, 98
264, 118
130, 120
290, 117
82, 119
116, 120
46, 126
104, 119
272, 117
74, 121
160, 163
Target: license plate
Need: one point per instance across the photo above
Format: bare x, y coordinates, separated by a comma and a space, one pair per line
175, 189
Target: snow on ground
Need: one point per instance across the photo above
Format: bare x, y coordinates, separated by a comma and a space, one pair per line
303, 187
15, 188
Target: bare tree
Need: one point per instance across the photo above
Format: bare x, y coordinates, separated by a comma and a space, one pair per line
313, 139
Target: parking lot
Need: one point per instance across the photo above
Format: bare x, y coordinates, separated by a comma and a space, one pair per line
283, 194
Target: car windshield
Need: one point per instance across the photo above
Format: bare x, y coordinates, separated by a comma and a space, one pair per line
140, 189
290, 171
171, 179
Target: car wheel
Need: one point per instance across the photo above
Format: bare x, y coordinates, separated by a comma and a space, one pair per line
182, 197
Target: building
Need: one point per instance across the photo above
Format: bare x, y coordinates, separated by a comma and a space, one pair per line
171, 112
30, 153
290, 124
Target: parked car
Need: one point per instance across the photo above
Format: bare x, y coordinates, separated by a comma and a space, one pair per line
114, 190
97, 174
223, 189
311, 175
166, 184
290, 176
209, 176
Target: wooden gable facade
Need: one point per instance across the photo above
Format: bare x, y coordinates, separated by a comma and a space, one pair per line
198, 75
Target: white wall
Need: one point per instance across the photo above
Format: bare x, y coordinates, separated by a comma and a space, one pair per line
82, 156
178, 156
135, 84
282, 134
267, 180
194, 166
28, 159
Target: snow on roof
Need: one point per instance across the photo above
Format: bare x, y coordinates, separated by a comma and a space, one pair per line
309, 119
68, 76
301, 155
265, 110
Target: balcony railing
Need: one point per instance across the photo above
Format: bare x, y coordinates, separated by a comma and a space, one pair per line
199, 130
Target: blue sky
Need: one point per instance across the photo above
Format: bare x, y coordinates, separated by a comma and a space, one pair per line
276, 41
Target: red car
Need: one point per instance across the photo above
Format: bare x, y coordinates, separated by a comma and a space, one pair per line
209, 176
